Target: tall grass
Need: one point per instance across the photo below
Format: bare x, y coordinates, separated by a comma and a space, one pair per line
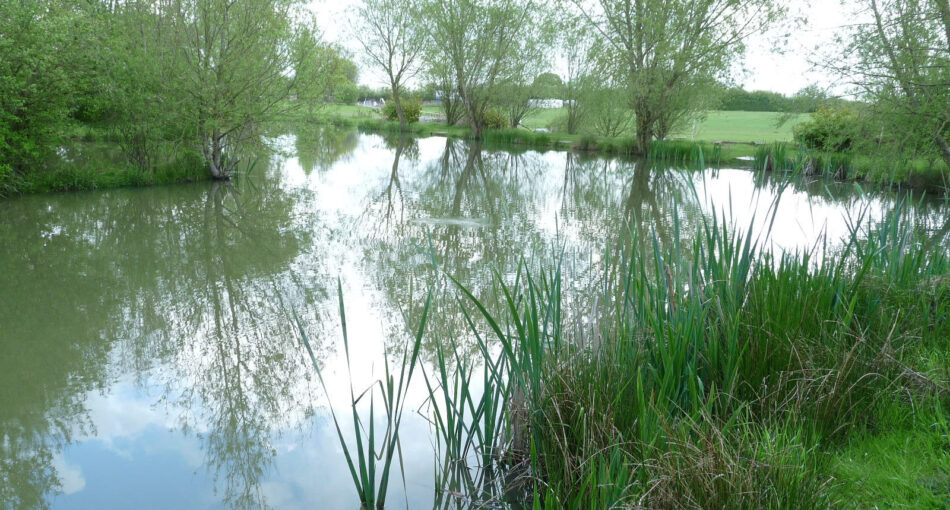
715, 374
685, 153
879, 168
371, 453
784, 157
711, 372
518, 137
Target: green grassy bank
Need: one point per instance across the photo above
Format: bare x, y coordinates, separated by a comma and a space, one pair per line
734, 133
715, 126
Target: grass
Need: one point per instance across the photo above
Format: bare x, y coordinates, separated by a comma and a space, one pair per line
743, 127
91, 158
887, 476
93, 174
713, 374
686, 153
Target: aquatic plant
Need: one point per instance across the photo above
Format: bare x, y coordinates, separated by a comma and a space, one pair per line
685, 153
370, 456
710, 375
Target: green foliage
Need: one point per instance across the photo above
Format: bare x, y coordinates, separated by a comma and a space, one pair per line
608, 111
36, 67
346, 93
807, 100
737, 99
830, 129
475, 46
156, 79
411, 109
668, 64
493, 119
901, 61
548, 86
715, 374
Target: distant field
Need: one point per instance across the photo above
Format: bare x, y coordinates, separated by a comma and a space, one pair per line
718, 126
761, 127
350, 110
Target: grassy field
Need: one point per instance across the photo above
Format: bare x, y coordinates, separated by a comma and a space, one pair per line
717, 126
758, 127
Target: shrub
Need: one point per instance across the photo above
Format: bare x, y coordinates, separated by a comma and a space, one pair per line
411, 108
830, 129
492, 119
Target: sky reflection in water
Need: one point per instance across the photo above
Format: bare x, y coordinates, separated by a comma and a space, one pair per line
148, 356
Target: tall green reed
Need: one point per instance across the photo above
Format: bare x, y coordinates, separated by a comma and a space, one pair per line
709, 352
370, 456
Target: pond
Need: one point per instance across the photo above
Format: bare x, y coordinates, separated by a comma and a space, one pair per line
149, 356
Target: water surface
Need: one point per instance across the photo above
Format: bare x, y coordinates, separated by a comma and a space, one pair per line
148, 358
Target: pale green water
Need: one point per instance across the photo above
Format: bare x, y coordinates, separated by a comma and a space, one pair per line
147, 356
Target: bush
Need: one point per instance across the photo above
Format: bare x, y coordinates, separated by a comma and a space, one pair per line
492, 119
411, 108
830, 129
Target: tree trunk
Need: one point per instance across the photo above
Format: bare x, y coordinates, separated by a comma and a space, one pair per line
644, 131
398, 103
474, 122
214, 154
944, 147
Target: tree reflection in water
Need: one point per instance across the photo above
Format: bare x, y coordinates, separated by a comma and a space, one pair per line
187, 291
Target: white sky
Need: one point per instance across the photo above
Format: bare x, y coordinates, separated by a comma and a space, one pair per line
785, 72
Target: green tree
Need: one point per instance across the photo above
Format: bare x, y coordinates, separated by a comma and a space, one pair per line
36, 64
578, 48
442, 77
669, 53
548, 85
479, 44
234, 60
609, 113
901, 62
514, 100
324, 72
392, 40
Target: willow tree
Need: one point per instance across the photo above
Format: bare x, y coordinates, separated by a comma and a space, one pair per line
392, 41
237, 63
482, 44
899, 58
669, 53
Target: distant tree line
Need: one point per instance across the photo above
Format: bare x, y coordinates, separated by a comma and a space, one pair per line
807, 100
632, 66
199, 78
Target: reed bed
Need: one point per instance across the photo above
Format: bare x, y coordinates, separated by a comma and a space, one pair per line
711, 372
717, 374
685, 153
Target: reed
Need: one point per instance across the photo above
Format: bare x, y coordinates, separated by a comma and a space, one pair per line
685, 153
706, 354
370, 456
712, 372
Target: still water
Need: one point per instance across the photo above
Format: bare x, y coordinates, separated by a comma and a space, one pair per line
148, 355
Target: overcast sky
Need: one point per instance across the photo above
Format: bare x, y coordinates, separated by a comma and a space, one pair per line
786, 72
